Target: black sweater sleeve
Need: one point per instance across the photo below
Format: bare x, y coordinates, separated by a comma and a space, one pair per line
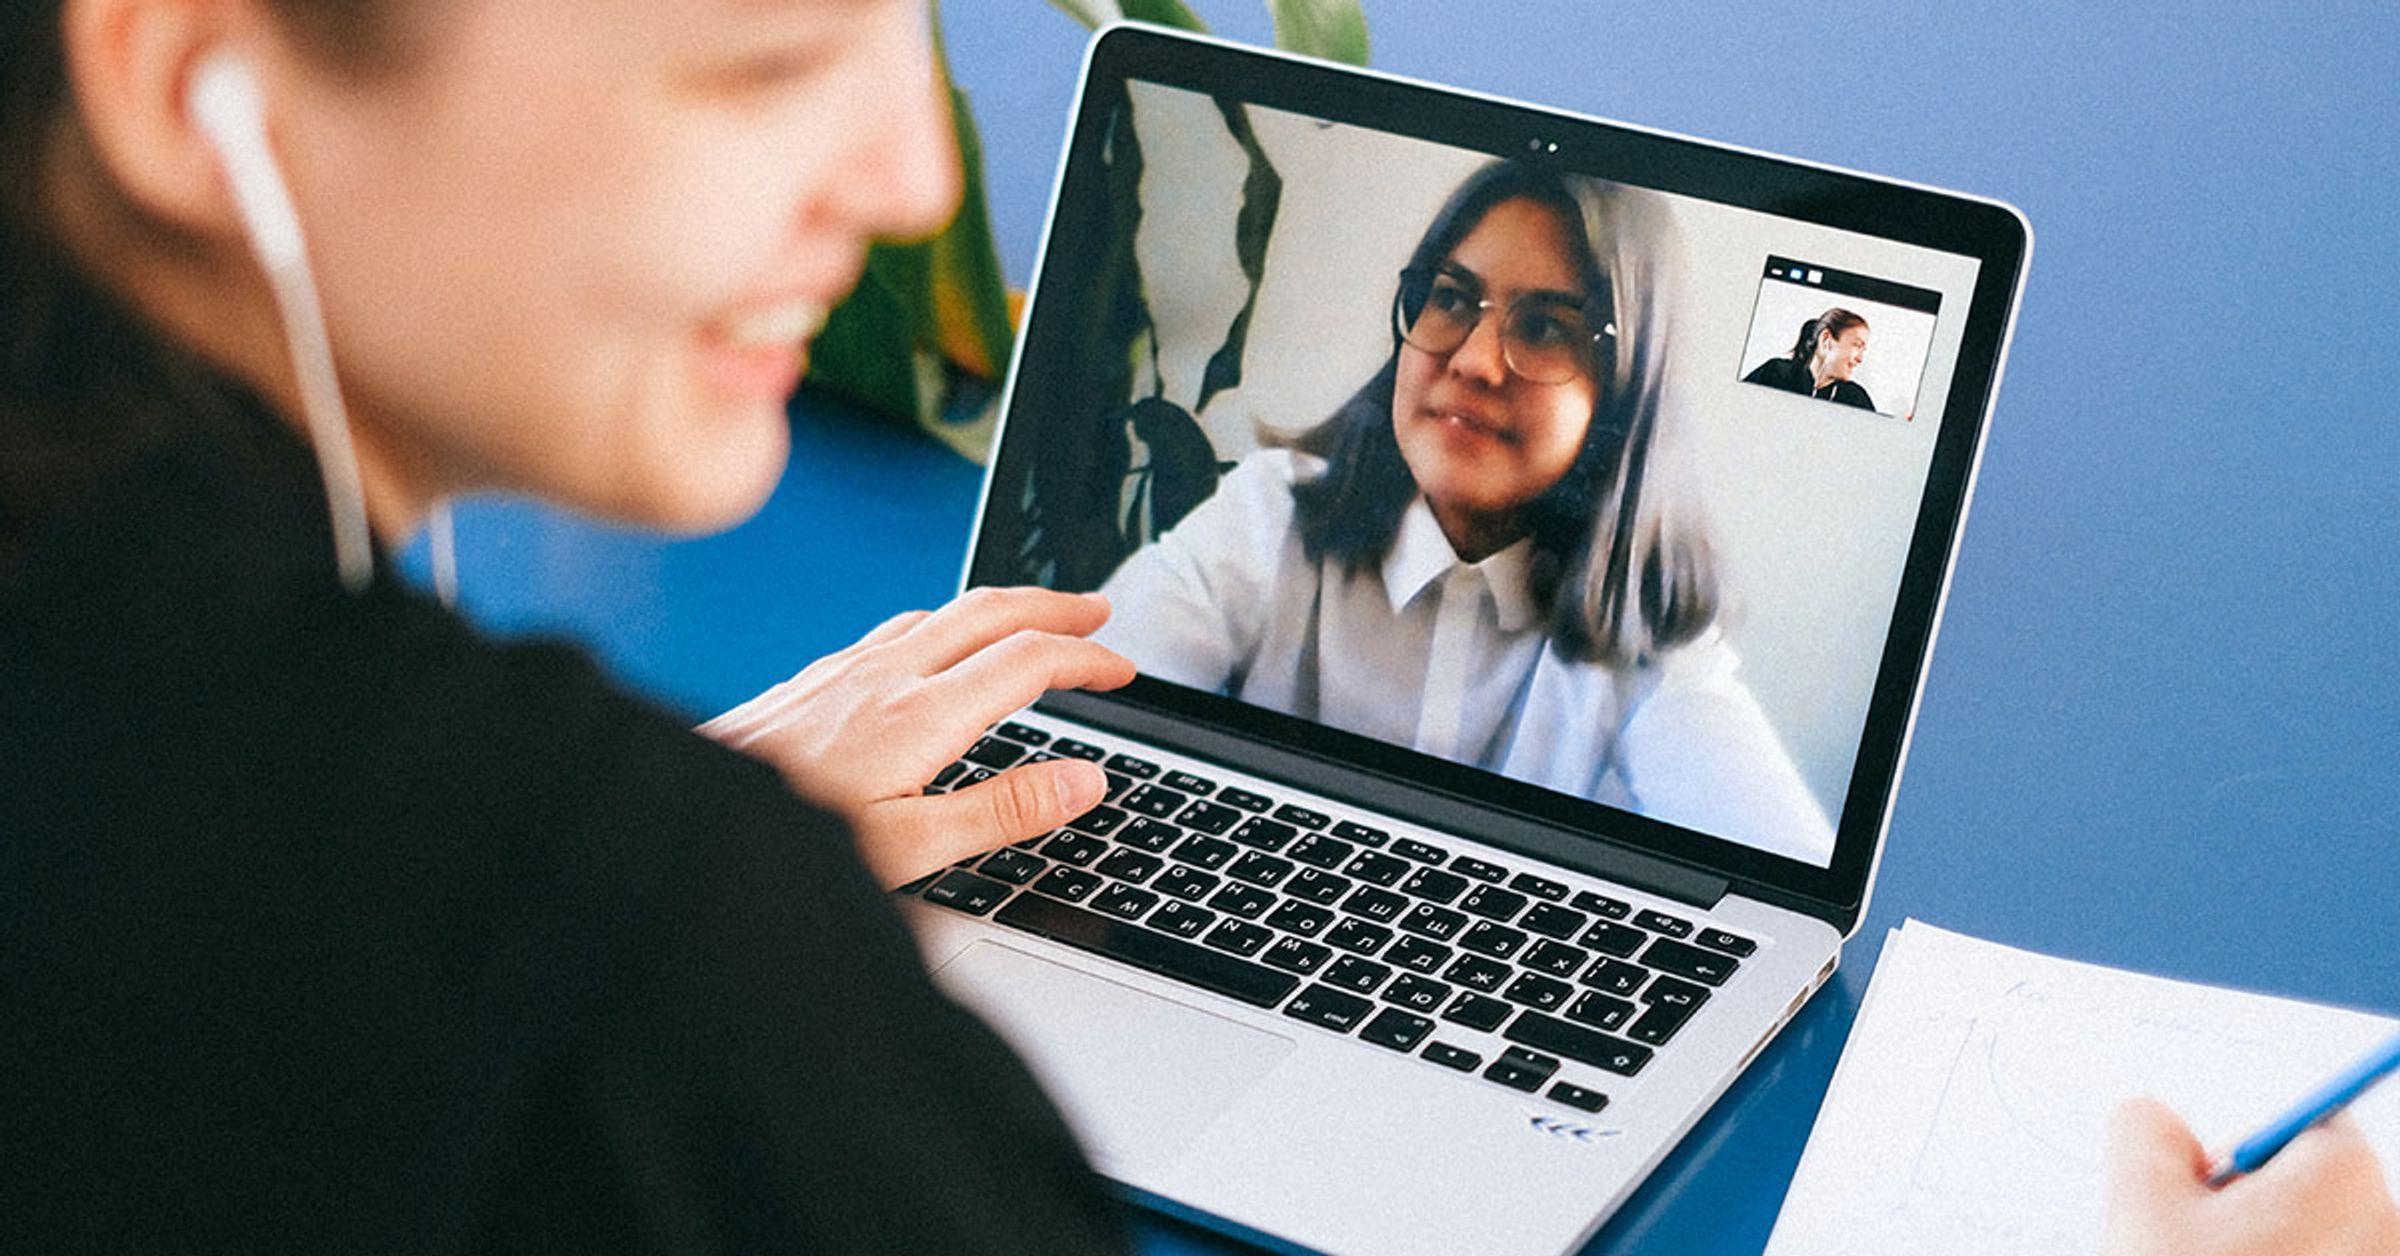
326, 925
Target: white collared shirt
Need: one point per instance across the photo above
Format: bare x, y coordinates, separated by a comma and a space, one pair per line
1452, 659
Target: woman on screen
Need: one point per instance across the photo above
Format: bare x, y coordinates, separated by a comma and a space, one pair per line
1822, 360
1491, 552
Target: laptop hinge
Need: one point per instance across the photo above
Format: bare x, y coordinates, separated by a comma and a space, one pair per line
1401, 800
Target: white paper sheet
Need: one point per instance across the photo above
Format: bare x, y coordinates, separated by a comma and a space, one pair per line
1967, 1112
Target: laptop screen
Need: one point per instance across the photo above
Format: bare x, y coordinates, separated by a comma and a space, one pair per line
1594, 487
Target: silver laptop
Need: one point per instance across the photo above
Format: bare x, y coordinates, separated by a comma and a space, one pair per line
1531, 531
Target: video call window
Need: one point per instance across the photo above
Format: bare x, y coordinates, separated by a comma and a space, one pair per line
1848, 339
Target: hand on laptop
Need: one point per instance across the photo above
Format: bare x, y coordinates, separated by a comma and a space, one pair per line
2322, 1196
864, 729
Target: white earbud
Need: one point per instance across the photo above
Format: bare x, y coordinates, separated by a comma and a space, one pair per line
230, 109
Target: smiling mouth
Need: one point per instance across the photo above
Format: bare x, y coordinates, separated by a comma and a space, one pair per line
1469, 423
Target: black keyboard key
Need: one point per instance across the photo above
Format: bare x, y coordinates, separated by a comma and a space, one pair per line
1477, 973
1477, 1011
1069, 748
1244, 901
1493, 903
1521, 1070
1422, 852
1417, 994
1352, 934
1434, 885
1294, 813
1071, 884
1428, 921
1660, 922
1555, 958
967, 892
1585, 1046
1265, 834
993, 753
1658, 1023
1189, 884
1234, 796
1297, 955
1401, 1031
1150, 835
973, 777
1376, 868
1539, 887
1611, 938
1668, 990
1208, 817
1239, 937
1418, 955
1013, 866
1575, 1096
1321, 851
1360, 833
1732, 944
1536, 990
1124, 901
1023, 734
1706, 967
1615, 976
1602, 905
1155, 801
1189, 783
1099, 821
1555, 921
1264, 871
1129, 865
1144, 948
1361, 975
1115, 785
1075, 848
1203, 852
1469, 866
1182, 919
1130, 766
1375, 904
941, 780
1448, 1056
1328, 1007
1305, 919
1600, 1011
1485, 938
1317, 886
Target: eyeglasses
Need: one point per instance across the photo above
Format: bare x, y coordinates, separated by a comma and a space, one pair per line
1542, 338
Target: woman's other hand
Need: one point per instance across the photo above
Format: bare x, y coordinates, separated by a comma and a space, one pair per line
863, 730
2324, 1195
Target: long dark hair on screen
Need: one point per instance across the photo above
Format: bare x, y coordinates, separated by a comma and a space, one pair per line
1622, 565
1830, 324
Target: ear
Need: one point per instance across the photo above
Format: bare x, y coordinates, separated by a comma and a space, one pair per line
130, 63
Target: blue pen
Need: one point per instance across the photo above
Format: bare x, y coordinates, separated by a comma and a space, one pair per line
2328, 1099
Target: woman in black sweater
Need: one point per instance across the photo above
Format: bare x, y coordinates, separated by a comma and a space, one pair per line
326, 924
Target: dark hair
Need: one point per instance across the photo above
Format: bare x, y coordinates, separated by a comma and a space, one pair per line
85, 383
1622, 567
1833, 322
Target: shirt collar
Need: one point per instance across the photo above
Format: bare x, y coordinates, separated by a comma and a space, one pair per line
1421, 555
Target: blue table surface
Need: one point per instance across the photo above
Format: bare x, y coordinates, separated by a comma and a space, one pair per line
2162, 729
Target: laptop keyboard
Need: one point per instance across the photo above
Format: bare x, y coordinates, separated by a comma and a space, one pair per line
1458, 959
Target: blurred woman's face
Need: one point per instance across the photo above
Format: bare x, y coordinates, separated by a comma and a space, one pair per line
1480, 440
1840, 355
579, 247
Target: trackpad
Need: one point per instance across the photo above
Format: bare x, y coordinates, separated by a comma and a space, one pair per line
1138, 1076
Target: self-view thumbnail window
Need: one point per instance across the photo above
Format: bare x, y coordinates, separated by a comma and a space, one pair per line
1839, 337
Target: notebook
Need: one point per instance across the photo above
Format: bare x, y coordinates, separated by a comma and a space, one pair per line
1527, 658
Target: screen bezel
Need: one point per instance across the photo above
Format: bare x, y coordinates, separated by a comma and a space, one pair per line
1993, 234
